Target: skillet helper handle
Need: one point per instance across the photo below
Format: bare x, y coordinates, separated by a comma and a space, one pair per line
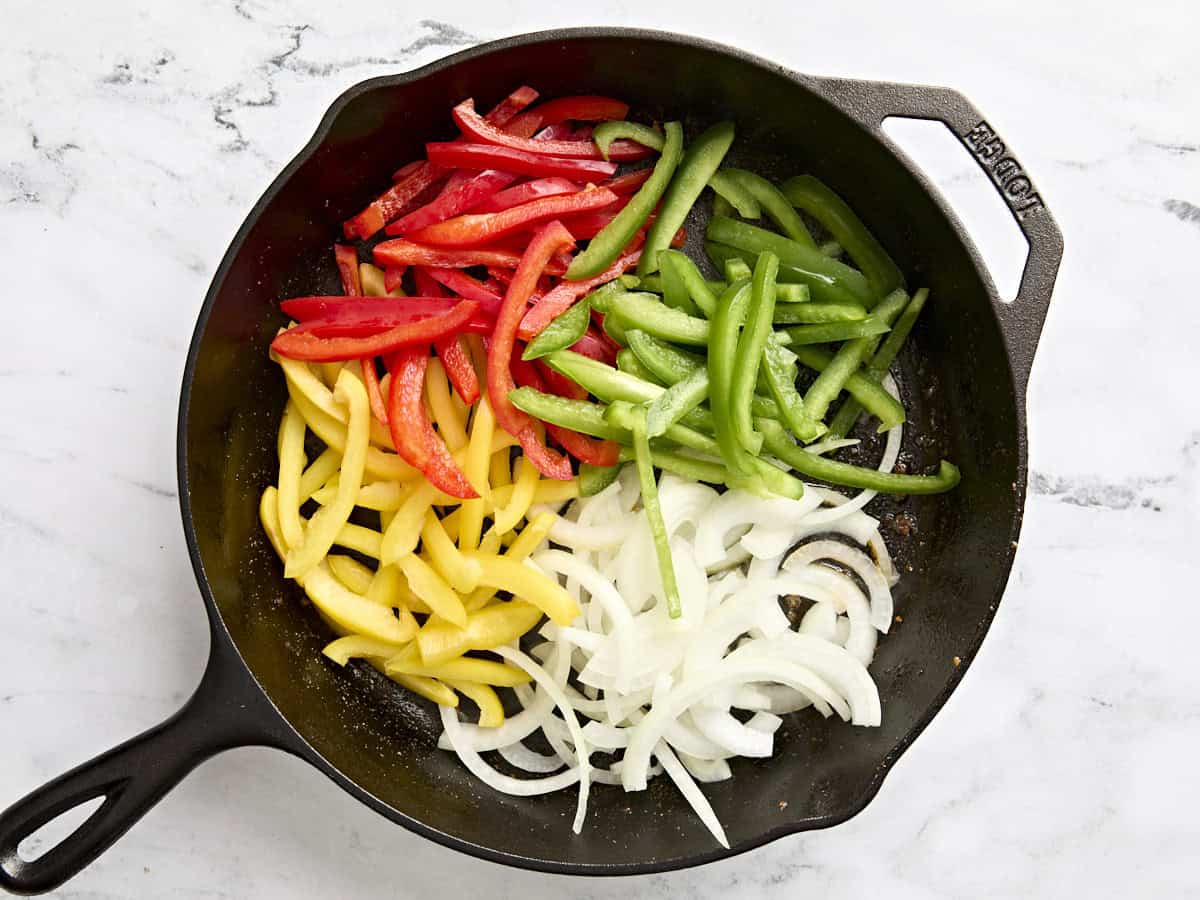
1021, 317
226, 711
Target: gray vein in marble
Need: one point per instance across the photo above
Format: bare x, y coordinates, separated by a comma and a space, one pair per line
1098, 494
1183, 211
441, 34
150, 488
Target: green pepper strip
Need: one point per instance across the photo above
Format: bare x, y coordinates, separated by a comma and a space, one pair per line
701, 161
827, 278
623, 414
709, 471
811, 465
614, 327
829, 332
679, 399
879, 364
674, 289
750, 345
616, 235
646, 312
736, 194
578, 415
816, 199
658, 528
601, 298
722, 353
779, 365
594, 479
845, 362
722, 207
832, 249
817, 313
561, 332
628, 362
777, 207
737, 268
701, 291
864, 392
606, 132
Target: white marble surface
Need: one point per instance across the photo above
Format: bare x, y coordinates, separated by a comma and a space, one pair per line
135, 136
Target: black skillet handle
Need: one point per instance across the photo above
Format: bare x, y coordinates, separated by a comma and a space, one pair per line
1021, 319
226, 711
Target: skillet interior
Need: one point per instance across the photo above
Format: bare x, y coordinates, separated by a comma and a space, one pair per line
376, 739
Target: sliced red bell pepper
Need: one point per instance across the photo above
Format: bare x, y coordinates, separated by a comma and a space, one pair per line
402, 309
559, 131
393, 201
582, 108
503, 112
308, 346
549, 239
628, 183
459, 368
393, 276
559, 384
592, 345
346, 258
558, 300
406, 170
374, 391
460, 195
412, 432
460, 155
550, 464
482, 228
406, 253
476, 127
426, 284
523, 193
462, 284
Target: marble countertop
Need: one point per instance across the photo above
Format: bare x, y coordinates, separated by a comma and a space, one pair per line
135, 137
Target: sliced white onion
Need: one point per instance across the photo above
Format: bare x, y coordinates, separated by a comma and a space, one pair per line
694, 796
858, 562
523, 758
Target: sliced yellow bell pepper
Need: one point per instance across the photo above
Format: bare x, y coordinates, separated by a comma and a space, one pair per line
323, 468
429, 688
384, 466
459, 571
427, 584
357, 646
452, 426
301, 379
291, 468
500, 469
492, 626
491, 710
383, 496
350, 572
372, 281
507, 574
479, 451
405, 529
462, 668
509, 516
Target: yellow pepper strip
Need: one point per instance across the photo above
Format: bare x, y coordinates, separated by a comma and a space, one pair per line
325, 524
291, 467
509, 516
385, 586
530, 538
410, 600
521, 581
357, 646
499, 471
491, 711
319, 472
380, 465
479, 451
450, 524
384, 496
301, 377
405, 529
451, 425
427, 584
460, 572
350, 572
385, 515
347, 610
490, 542
329, 373
490, 627
358, 537
547, 490
430, 688
463, 668
372, 282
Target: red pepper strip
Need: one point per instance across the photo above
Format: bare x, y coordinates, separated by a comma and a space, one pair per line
474, 126
407, 309
346, 258
460, 195
627, 184
582, 447
550, 464
308, 346
374, 391
559, 384
562, 297
591, 345
392, 202
501, 276
458, 155
474, 229
580, 109
402, 252
426, 284
412, 432
503, 112
523, 193
559, 131
459, 368
393, 276
549, 239
406, 170
468, 288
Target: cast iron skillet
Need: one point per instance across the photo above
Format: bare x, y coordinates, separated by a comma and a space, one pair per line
266, 682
